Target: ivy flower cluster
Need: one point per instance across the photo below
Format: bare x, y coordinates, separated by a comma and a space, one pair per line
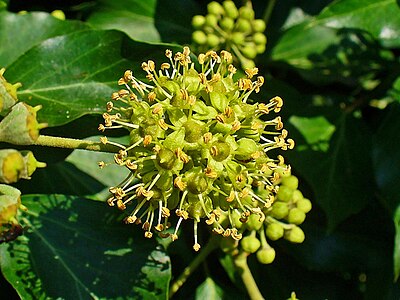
198, 146
231, 28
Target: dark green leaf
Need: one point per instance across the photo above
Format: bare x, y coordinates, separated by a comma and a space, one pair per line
341, 177
209, 290
395, 91
396, 250
16, 39
74, 249
73, 75
387, 171
134, 17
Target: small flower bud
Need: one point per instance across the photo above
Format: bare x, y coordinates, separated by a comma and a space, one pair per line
215, 8
211, 20
296, 216
8, 93
255, 221
250, 244
266, 255
198, 21
259, 38
199, 37
212, 40
291, 182
227, 24
246, 12
279, 210
274, 231
295, 235
20, 126
230, 9
285, 193
10, 201
11, 165
249, 51
304, 205
258, 25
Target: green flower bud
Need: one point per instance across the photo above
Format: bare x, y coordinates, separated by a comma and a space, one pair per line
230, 9
246, 12
285, 193
260, 48
295, 235
250, 244
212, 40
246, 149
211, 20
166, 159
10, 201
220, 151
296, 216
259, 38
255, 221
199, 37
258, 25
243, 25
266, 255
11, 165
227, 24
30, 164
196, 182
304, 205
279, 210
297, 195
291, 182
194, 130
237, 38
20, 126
198, 21
215, 8
274, 231
249, 51
8, 93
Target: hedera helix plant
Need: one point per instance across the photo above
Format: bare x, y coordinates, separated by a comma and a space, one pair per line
199, 148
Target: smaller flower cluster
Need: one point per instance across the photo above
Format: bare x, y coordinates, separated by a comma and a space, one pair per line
196, 146
20, 127
280, 220
227, 27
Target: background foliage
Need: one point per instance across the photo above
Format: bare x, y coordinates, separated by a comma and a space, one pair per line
335, 64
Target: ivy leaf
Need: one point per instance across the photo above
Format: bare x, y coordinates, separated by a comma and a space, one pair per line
18, 40
341, 178
340, 43
75, 74
134, 17
378, 17
75, 249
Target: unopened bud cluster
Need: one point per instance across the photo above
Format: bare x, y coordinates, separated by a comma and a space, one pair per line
19, 126
227, 27
198, 146
280, 220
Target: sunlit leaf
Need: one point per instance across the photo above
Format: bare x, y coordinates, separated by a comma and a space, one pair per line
134, 17
209, 290
75, 74
15, 39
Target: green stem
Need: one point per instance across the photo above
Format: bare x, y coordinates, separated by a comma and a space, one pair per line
268, 11
247, 278
59, 142
210, 246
